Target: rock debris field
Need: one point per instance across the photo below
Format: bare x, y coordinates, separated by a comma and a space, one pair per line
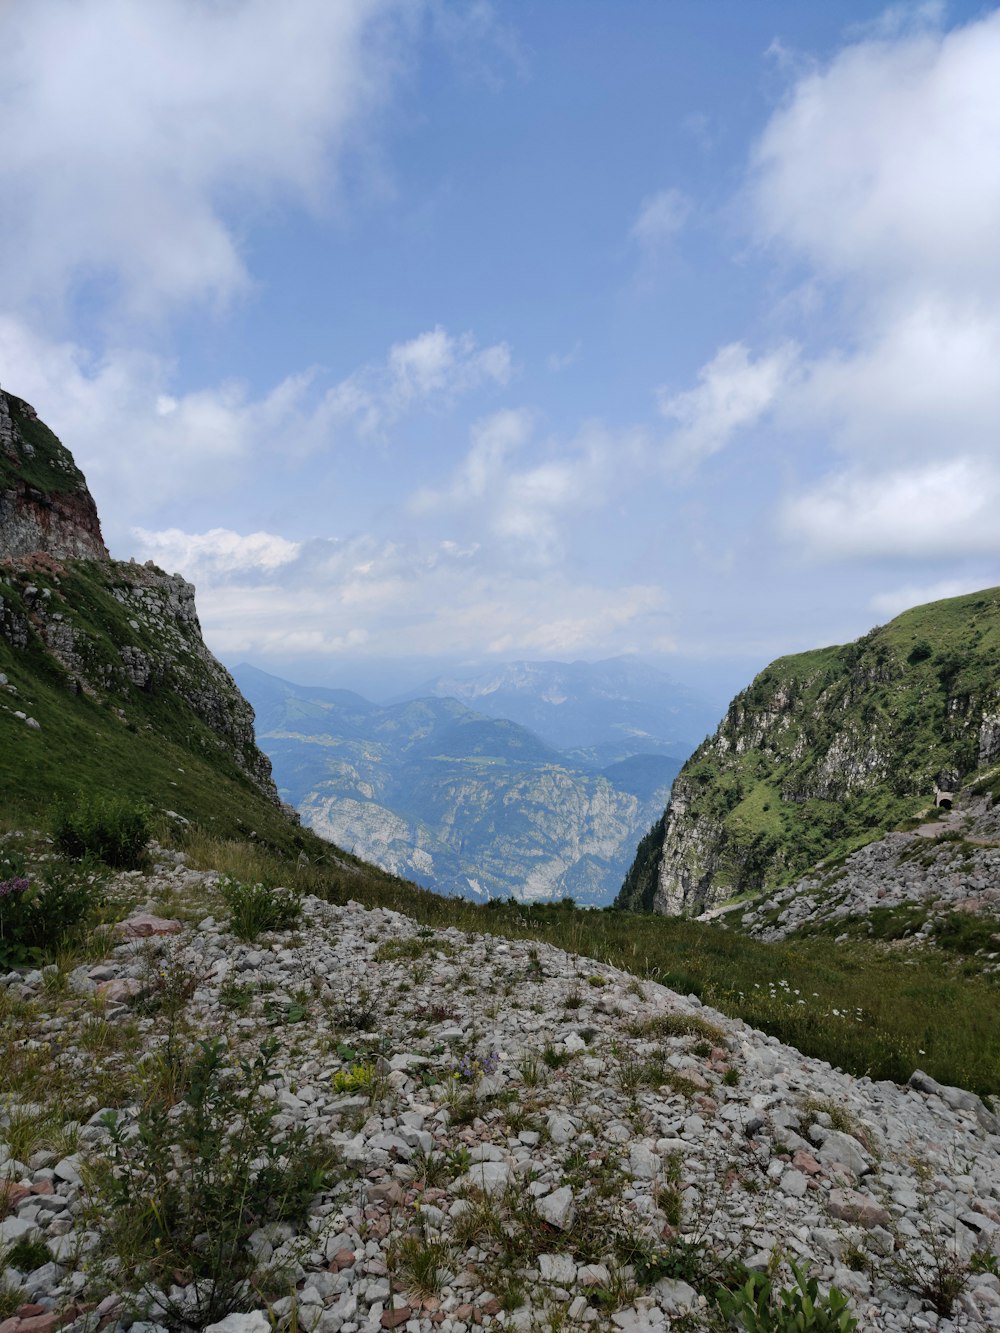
516, 1138
954, 864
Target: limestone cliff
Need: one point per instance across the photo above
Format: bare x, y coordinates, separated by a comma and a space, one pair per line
124, 635
45, 506
827, 750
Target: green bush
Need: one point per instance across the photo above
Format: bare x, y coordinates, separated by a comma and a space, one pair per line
254, 908
35, 917
113, 829
183, 1193
758, 1308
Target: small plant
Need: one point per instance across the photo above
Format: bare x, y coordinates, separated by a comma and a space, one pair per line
11, 1296
758, 1308
26, 1255
420, 1265
532, 1071
184, 1191
731, 1077
111, 828
364, 1077
411, 947
255, 908
36, 916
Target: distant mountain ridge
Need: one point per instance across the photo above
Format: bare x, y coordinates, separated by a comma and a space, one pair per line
598, 712
465, 803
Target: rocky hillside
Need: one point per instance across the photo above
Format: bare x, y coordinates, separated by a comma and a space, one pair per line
105, 680
462, 803
452, 1132
825, 751
936, 884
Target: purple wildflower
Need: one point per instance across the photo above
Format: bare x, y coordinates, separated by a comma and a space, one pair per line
9, 887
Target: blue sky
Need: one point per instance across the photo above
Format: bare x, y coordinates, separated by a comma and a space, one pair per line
421, 333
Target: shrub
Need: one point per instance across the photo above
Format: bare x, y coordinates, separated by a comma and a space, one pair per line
758, 1308
36, 917
111, 828
254, 908
186, 1190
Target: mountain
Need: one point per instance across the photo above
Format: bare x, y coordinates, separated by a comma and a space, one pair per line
106, 684
468, 804
598, 712
825, 751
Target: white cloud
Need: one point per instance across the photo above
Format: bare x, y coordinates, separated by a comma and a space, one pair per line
883, 166
527, 506
263, 596
880, 176
218, 551
901, 599
921, 383
938, 510
494, 440
137, 135
734, 392
139, 445
434, 367
661, 217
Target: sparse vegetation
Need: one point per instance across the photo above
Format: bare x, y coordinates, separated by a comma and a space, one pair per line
256, 908
112, 829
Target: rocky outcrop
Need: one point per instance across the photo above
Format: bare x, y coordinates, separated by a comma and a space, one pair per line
829, 749
45, 506
125, 635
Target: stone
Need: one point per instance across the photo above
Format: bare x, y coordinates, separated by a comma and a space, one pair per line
254, 1322
395, 1318
845, 1149
862, 1209
557, 1208
557, 1268
143, 925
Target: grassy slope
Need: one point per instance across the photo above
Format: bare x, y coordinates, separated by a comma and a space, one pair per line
50, 468
911, 689
163, 754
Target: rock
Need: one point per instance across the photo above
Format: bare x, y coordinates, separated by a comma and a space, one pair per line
843, 1148
557, 1208
557, 1268
142, 925
254, 1322
862, 1209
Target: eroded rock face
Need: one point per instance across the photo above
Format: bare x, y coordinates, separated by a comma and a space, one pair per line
120, 632
45, 506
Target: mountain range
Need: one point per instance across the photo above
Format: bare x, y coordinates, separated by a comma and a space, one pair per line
472, 804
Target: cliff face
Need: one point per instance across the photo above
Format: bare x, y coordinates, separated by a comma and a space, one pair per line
45, 506
826, 750
125, 635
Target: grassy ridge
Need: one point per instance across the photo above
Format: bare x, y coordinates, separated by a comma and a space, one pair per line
828, 749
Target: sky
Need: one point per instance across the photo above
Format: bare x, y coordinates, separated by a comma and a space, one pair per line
422, 334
